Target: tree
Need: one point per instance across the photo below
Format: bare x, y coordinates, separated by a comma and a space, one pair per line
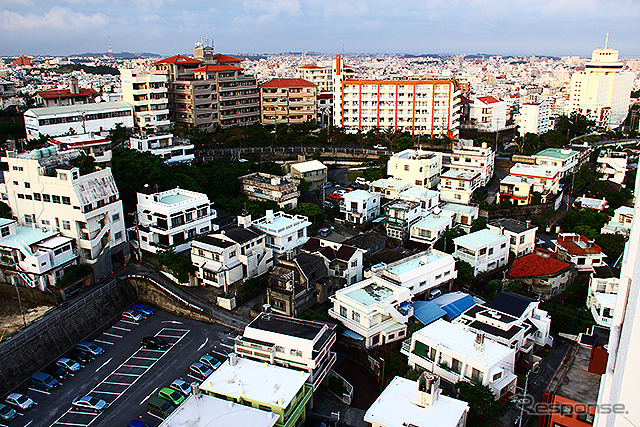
536, 198
574, 125
5, 211
118, 135
310, 210
465, 271
482, 402
478, 224
86, 164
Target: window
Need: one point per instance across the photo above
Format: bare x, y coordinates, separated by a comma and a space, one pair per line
585, 417
62, 176
496, 377
20, 196
66, 225
566, 410
343, 311
502, 246
483, 251
354, 263
66, 200
118, 235
296, 353
115, 217
36, 196
432, 354
279, 349
406, 167
490, 251
27, 185
375, 339
355, 316
264, 408
522, 239
15, 182
477, 376
55, 199
456, 366
300, 234
232, 254
4, 231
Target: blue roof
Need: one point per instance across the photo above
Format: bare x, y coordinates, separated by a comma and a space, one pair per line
456, 308
350, 334
427, 312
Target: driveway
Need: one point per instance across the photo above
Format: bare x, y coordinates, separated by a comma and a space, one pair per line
365, 385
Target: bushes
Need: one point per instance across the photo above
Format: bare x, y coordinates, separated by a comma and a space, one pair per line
179, 265
73, 274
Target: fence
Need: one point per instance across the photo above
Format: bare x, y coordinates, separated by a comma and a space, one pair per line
348, 395
235, 152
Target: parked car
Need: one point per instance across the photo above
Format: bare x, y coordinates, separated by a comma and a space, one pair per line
81, 356
172, 396
20, 402
379, 147
328, 204
91, 348
132, 316
69, 364
89, 403
44, 381
143, 309
159, 407
57, 372
182, 386
154, 343
210, 361
328, 184
7, 413
136, 423
200, 370
335, 196
361, 181
324, 231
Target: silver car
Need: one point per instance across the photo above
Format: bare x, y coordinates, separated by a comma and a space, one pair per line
69, 364
89, 403
19, 401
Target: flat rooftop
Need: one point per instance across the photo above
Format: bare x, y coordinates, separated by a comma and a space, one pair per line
422, 193
287, 326
26, 236
461, 209
256, 381
556, 153
512, 225
415, 155
459, 174
396, 406
409, 264
575, 382
172, 199
79, 108
480, 239
358, 195
207, 411
433, 221
369, 294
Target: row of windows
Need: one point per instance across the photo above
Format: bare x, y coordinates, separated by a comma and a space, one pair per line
86, 117
46, 198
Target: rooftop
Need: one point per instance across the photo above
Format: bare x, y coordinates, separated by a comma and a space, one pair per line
511, 303
207, 411
463, 175
390, 183
78, 108
480, 239
358, 195
461, 209
277, 386
606, 272
311, 165
298, 328
396, 406
171, 199
511, 179
401, 204
537, 264
408, 264
433, 221
214, 241
177, 59
575, 244
275, 83
556, 153
24, 236
488, 100
512, 225
66, 93
534, 170
418, 193
573, 380
415, 155
215, 68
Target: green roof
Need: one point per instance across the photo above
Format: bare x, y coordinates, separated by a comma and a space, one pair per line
557, 153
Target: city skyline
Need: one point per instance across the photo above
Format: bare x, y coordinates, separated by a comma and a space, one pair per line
166, 27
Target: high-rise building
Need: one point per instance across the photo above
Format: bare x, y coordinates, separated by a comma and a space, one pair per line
535, 118
210, 91
148, 94
603, 90
620, 384
288, 101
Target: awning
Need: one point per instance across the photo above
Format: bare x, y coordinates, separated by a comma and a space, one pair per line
427, 312
350, 334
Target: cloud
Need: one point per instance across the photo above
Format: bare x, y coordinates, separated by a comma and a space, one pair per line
349, 10
57, 18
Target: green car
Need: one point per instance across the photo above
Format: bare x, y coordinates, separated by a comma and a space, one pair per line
170, 395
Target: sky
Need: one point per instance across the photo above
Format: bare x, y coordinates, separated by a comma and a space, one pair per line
167, 27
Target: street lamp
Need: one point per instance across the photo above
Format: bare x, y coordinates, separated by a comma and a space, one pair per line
535, 369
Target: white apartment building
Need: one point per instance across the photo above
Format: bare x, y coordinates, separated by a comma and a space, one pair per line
430, 228
545, 179
602, 294
455, 354
375, 310
172, 218
92, 145
419, 106
620, 222
360, 206
527, 311
602, 91
421, 273
488, 113
535, 118
399, 216
33, 257
522, 235
463, 215
292, 343
263, 186
467, 157
613, 166
164, 145
148, 94
516, 189
284, 232
566, 159
80, 118
485, 250
312, 171
389, 188
416, 167
343, 262
322, 77
428, 199
579, 251
46, 191
457, 186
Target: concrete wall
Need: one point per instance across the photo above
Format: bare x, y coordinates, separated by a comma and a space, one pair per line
51, 337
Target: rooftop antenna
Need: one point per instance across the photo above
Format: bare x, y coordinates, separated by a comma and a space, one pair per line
606, 41
110, 55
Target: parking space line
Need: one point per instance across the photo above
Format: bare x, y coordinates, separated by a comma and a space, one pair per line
220, 353
145, 358
131, 323
148, 349
137, 366
150, 394
81, 412
104, 342
191, 376
126, 375
71, 424
122, 329
226, 345
154, 415
174, 329
111, 335
39, 391
114, 383
105, 392
168, 336
101, 366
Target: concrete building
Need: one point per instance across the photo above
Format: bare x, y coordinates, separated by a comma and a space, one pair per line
602, 91
488, 113
209, 90
566, 159
545, 179
419, 106
291, 343
602, 294
322, 77
390, 188
516, 189
542, 274
33, 257
80, 118
422, 273
467, 157
360, 206
416, 403
50, 193
620, 222
61, 97
535, 118
522, 235
416, 167
8, 94
458, 186
399, 216
431, 227
284, 232
172, 218
148, 94
527, 311
263, 186
170, 148
579, 251
288, 101
613, 166
485, 250
344, 263
428, 199
374, 310
463, 215
312, 171
283, 391
456, 354
92, 145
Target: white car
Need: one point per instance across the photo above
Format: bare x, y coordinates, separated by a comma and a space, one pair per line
379, 147
132, 316
18, 401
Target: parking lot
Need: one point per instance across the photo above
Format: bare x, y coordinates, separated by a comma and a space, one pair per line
126, 374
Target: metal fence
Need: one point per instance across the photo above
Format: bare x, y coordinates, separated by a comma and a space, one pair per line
236, 152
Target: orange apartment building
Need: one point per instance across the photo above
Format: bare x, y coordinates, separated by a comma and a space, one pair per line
290, 101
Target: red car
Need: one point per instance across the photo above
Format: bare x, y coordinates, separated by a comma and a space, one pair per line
335, 196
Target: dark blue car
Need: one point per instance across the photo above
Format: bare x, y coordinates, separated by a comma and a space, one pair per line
143, 309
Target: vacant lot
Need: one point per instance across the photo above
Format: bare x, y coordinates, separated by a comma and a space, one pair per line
10, 318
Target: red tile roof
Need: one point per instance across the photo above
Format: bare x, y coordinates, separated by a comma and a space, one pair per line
288, 83
177, 59
570, 244
533, 265
22, 60
325, 96
488, 100
218, 57
210, 68
310, 67
65, 93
